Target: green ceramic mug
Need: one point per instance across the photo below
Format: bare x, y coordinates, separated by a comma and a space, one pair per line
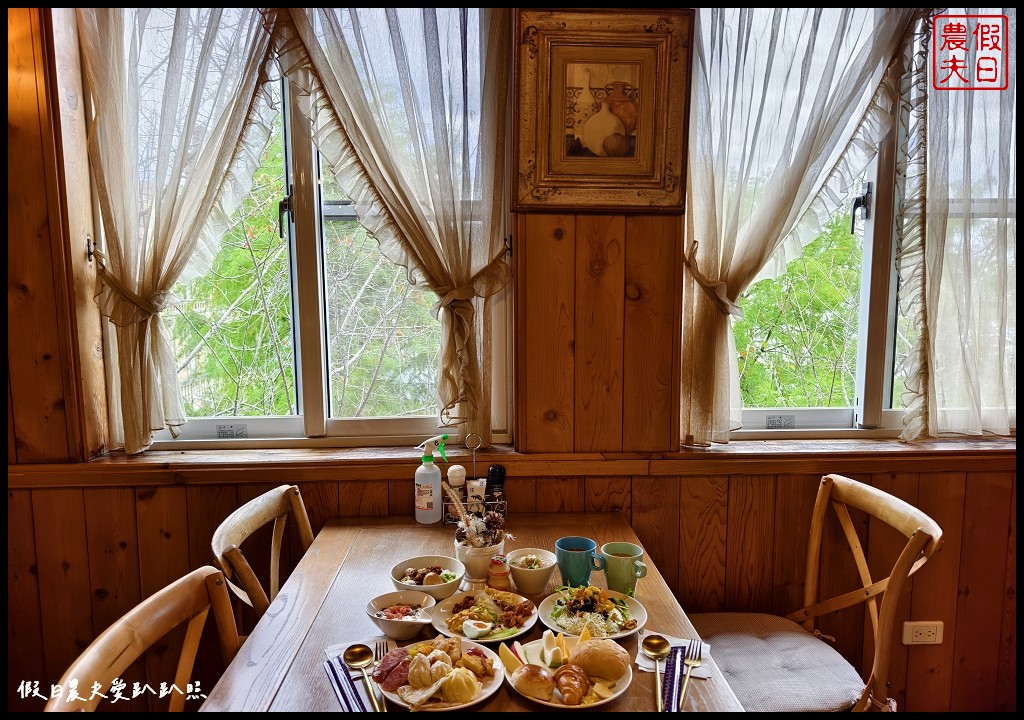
576, 558
623, 566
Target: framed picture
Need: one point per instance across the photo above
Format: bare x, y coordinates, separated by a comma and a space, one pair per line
602, 104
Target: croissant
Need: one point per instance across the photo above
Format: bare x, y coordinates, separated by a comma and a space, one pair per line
572, 683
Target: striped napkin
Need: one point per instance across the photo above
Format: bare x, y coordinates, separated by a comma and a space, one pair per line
673, 683
344, 685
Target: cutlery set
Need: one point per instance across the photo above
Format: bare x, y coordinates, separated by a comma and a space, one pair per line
339, 671
678, 667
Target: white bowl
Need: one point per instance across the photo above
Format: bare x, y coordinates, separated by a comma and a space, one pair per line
438, 592
401, 629
531, 581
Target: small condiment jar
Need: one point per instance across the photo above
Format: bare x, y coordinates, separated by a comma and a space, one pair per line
498, 573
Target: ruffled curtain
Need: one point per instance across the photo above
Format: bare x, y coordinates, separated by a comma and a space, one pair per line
958, 259
789, 105
413, 128
173, 138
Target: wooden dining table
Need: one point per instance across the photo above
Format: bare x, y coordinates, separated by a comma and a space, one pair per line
323, 603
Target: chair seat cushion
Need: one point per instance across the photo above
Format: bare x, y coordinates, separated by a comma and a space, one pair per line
775, 665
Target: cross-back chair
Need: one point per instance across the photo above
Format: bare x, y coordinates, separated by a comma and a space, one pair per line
188, 599
782, 664
273, 506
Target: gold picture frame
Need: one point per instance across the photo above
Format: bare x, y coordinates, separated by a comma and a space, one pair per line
601, 112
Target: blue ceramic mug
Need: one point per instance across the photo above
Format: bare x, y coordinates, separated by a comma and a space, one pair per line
576, 558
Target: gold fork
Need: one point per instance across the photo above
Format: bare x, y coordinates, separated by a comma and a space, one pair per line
691, 660
380, 649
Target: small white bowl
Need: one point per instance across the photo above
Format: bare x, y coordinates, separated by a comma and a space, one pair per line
531, 581
438, 592
401, 629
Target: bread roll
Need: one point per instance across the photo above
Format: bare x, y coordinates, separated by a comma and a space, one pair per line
602, 658
534, 681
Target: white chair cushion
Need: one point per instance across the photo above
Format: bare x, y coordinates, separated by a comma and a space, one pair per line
775, 665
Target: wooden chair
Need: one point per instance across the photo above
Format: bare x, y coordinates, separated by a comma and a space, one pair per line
782, 664
272, 506
187, 599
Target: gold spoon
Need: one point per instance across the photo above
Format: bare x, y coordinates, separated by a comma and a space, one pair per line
657, 648
358, 657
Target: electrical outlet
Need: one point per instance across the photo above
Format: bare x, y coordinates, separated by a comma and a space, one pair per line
780, 422
922, 632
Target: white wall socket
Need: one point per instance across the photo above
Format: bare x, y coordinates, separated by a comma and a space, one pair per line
922, 632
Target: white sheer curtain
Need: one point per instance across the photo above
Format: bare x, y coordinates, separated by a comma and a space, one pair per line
959, 276
408, 108
788, 107
173, 140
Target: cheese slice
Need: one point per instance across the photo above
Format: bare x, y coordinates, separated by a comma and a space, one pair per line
585, 635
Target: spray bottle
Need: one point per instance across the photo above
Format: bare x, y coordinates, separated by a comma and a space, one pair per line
428, 481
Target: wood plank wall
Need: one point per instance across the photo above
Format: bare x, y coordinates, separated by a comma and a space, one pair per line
597, 331
723, 541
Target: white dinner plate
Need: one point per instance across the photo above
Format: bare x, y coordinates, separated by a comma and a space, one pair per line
490, 685
443, 610
533, 657
637, 610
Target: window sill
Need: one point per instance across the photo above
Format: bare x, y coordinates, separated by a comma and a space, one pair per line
187, 467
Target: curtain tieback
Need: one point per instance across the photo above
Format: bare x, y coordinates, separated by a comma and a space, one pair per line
148, 308
488, 280
463, 292
715, 289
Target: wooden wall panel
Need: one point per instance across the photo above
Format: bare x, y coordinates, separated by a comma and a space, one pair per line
930, 667
25, 661
12, 443
545, 341
982, 580
884, 547
365, 498
401, 496
600, 272
651, 335
749, 546
698, 530
1006, 682
58, 518
655, 504
34, 347
162, 516
703, 524
522, 494
794, 503
113, 543
608, 494
560, 494
208, 506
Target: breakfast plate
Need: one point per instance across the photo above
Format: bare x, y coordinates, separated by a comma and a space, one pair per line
443, 611
550, 604
532, 652
490, 685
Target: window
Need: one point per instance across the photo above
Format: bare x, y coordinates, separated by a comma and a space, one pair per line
302, 328
819, 347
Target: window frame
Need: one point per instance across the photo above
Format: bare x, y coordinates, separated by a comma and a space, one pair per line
313, 427
872, 415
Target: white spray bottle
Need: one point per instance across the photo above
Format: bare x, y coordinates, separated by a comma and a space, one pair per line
428, 481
